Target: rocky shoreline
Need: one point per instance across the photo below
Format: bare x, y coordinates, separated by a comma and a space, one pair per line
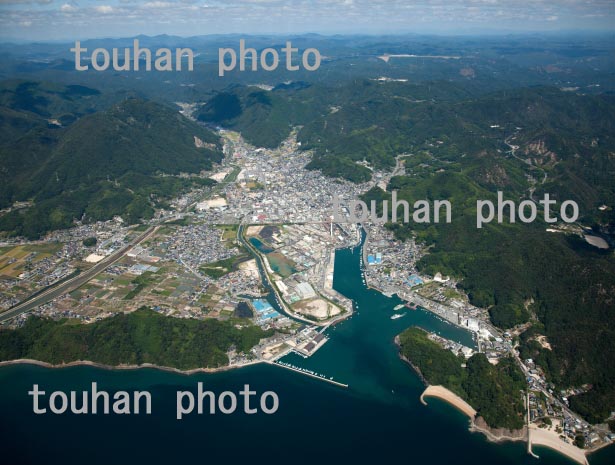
479, 425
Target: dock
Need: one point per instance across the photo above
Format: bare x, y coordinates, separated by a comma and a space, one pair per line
308, 373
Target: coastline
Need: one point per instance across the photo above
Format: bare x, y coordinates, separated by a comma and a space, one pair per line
27, 361
440, 392
551, 440
597, 448
531, 435
477, 423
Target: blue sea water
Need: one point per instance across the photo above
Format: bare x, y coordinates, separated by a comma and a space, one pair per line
378, 419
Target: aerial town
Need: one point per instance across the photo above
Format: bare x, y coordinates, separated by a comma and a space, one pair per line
259, 247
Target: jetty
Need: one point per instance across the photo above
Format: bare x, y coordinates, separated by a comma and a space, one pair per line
309, 373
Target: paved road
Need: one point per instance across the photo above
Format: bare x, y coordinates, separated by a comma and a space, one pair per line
73, 283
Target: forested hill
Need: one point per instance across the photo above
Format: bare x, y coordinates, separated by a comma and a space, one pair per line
564, 139
565, 135
135, 136
495, 391
563, 145
264, 118
94, 165
136, 338
521, 273
462, 146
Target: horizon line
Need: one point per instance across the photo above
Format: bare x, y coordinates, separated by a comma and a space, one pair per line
487, 33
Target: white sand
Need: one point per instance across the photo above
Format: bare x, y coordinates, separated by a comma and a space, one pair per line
442, 393
550, 439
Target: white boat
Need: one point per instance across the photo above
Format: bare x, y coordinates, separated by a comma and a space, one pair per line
397, 315
399, 307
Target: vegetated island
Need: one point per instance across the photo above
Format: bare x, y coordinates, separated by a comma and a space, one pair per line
490, 395
142, 338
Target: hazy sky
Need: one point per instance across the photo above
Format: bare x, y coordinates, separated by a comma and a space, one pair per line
75, 19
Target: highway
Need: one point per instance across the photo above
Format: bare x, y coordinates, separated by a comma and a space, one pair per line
70, 285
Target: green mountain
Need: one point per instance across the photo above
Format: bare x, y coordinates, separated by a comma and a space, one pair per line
140, 337
566, 133
106, 163
264, 118
456, 141
520, 272
495, 392
135, 136
48, 99
61, 104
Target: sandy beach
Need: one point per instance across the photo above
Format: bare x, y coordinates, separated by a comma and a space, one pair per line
477, 423
442, 393
550, 439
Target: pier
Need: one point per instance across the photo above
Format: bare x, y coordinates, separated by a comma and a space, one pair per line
311, 374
